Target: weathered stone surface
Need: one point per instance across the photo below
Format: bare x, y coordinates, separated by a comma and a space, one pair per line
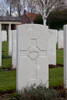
14, 44
60, 39
52, 46
0, 48
32, 57
4, 36
65, 56
10, 43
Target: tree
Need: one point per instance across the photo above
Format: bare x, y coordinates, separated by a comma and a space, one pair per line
31, 5
23, 5
38, 6
14, 6
41, 6
9, 3
3, 8
38, 19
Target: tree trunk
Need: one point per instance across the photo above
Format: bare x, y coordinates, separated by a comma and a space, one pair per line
19, 8
44, 20
10, 9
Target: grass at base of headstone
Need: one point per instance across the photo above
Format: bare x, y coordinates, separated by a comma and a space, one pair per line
5, 48
60, 56
56, 77
7, 80
6, 60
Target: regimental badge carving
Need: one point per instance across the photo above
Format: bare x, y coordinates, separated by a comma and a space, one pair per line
34, 52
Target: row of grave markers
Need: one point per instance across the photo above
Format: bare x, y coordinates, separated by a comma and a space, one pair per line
36, 46
33, 48
58, 37
51, 48
13, 47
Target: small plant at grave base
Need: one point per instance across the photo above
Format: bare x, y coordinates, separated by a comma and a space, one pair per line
37, 93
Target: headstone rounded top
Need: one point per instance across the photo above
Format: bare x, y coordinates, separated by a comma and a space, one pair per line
33, 26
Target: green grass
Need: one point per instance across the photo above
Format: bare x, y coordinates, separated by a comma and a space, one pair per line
60, 56
7, 80
6, 60
56, 76
5, 48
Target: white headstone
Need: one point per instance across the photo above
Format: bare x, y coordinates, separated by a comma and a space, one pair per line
14, 43
60, 39
65, 56
10, 43
0, 48
56, 36
4, 36
52, 47
32, 62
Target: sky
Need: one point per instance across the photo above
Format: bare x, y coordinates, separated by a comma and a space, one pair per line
3, 7
1, 1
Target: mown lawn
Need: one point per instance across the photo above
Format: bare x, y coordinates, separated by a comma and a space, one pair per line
60, 56
6, 60
8, 78
56, 76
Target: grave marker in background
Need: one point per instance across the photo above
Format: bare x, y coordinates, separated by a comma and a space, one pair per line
14, 49
52, 46
4, 35
10, 43
60, 39
65, 56
0, 46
